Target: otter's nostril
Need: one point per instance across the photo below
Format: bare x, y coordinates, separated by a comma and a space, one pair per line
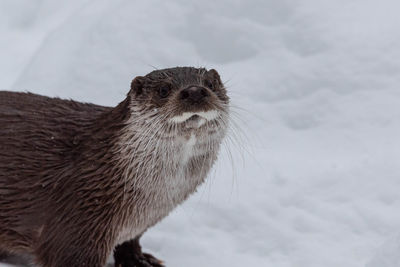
204, 92
184, 94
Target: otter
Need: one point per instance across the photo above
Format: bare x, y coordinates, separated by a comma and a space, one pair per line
79, 181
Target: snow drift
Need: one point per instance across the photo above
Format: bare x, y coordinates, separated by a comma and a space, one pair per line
315, 90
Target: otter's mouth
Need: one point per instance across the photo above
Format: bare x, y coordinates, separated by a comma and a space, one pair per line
195, 116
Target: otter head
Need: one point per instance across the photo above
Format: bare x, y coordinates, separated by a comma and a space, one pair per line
182, 101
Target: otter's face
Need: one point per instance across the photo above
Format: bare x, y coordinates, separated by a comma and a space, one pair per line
186, 98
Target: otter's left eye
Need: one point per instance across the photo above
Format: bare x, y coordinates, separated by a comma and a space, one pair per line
209, 84
164, 91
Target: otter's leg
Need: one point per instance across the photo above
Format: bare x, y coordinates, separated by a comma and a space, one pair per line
3, 255
84, 258
59, 248
129, 254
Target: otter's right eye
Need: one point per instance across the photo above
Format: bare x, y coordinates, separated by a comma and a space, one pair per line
209, 84
164, 91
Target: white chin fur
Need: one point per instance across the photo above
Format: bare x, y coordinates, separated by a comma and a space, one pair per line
207, 115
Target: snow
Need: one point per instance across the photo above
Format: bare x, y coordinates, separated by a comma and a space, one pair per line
313, 176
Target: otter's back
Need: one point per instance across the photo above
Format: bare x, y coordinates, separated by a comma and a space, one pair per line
37, 135
37, 131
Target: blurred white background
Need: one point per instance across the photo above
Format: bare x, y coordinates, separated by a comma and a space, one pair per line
315, 90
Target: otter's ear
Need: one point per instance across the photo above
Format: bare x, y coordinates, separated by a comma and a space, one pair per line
214, 75
137, 85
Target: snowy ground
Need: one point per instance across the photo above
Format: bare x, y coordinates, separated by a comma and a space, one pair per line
315, 86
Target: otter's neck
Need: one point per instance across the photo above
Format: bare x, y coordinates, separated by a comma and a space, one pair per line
156, 160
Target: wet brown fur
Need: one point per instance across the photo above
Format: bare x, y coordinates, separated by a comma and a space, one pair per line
73, 175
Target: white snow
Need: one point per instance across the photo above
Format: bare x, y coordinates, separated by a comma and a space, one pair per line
314, 177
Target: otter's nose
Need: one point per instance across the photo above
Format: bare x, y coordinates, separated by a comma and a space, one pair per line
194, 94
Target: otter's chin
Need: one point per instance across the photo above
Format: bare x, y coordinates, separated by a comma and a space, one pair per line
195, 120
195, 116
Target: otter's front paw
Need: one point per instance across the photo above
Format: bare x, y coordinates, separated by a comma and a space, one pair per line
129, 254
135, 260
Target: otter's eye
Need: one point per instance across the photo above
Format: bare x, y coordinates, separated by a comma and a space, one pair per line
209, 84
164, 91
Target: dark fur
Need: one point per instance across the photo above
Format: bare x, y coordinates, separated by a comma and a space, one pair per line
61, 189
54, 158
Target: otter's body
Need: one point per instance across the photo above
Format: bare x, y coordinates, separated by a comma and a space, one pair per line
77, 180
